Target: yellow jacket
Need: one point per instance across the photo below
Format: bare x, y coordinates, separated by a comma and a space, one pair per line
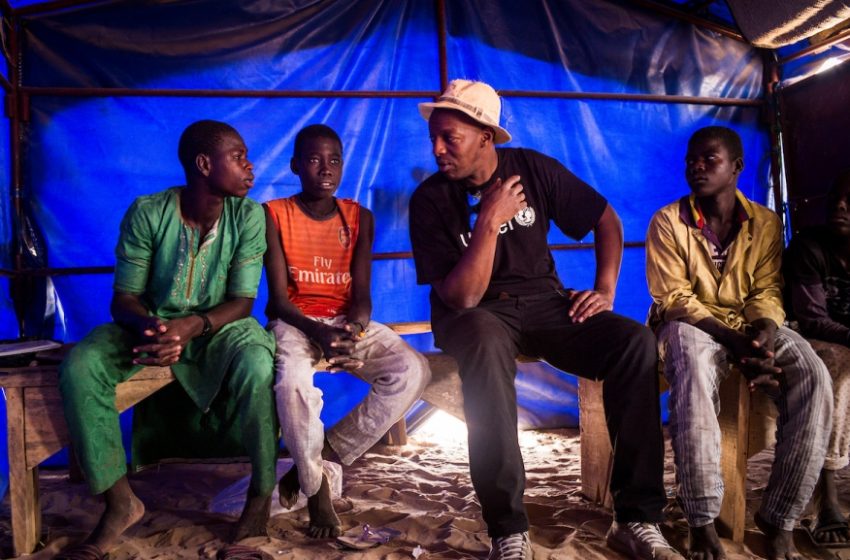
685, 284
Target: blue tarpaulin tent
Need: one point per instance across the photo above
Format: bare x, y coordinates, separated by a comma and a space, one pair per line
97, 94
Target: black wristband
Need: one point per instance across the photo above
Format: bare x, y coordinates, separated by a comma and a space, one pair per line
207, 324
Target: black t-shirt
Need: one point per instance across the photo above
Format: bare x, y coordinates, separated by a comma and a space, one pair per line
810, 261
440, 212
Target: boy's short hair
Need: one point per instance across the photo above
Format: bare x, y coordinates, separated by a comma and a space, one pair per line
312, 131
726, 135
201, 137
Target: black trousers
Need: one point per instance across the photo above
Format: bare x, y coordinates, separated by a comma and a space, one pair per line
485, 341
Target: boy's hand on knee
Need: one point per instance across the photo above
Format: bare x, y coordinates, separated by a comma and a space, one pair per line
164, 352
151, 327
759, 366
768, 381
344, 363
755, 360
184, 328
167, 340
760, 372
334, 341
743, 347
356, 329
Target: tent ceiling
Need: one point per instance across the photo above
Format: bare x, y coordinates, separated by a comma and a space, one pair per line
764, 23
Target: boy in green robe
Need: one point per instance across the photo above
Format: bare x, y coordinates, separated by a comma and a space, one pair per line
188, 265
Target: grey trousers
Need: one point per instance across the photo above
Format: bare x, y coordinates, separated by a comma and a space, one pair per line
398, 375
694, 365
836, 357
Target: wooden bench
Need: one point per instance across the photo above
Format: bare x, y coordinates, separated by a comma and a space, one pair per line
747, 426
37, 430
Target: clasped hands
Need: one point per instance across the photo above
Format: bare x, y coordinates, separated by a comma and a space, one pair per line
337, 344
753, 352
163, 341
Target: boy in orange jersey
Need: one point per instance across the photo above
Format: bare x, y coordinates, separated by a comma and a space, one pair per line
318, 267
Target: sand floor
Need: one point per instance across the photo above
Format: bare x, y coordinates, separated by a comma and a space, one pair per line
421, 490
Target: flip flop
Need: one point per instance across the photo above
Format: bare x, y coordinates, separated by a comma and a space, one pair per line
361, 538
242, 552
81, 552
813, 529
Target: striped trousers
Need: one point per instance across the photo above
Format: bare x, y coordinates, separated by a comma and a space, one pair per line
836, 357
694, 365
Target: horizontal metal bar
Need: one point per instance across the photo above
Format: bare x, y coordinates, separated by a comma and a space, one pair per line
237, 93
816, 47
398, 255
56, 5
65, 271
650, 97
372, 94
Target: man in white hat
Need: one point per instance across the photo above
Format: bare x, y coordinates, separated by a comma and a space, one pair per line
478, 228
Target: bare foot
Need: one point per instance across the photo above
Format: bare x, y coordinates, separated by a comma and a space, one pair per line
780, 543
704, 544
324, 523
123, 510
288, 488
254, 518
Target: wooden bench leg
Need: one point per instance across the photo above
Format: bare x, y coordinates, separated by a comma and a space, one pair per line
23, 482
597, 457
734, 421
397, 434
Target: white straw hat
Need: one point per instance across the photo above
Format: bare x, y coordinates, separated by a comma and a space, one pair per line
476, 99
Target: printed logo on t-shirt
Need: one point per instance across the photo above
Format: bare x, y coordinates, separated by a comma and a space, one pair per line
317, 275
344, 235
525, 217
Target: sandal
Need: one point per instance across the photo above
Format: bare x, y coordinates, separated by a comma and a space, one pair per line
816, 531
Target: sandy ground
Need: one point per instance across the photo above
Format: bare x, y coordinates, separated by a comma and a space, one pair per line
421, 490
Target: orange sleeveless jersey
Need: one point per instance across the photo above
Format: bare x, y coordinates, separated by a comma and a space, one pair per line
318, 255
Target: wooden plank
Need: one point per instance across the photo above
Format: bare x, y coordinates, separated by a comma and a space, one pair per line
44, 424
763, 416
734, 439
138, 388
41, 376
397, 434
23, 482
44, 420
597, 457
411, 327
48, 376
444, 391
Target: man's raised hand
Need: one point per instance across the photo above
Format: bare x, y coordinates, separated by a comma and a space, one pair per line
502, 200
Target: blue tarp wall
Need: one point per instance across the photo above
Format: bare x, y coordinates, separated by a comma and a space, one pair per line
88, 157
